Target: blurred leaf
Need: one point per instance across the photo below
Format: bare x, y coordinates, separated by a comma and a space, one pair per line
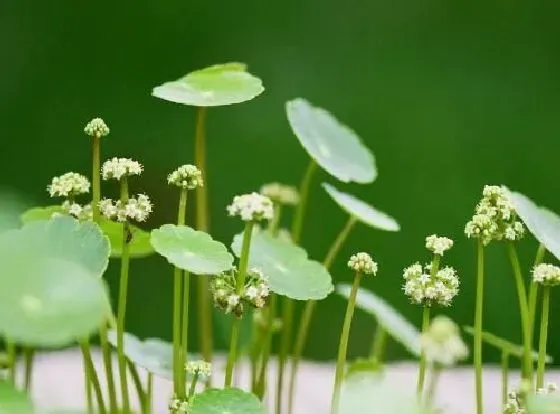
335, 147
362, 211
191, 250
52, 292
40, 213
216, 85
388, 317
364, 366
543, 404
13, 401
139, 246
226, 401
286, 266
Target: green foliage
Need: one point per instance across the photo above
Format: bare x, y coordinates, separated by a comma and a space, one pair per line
226, 401
543, 404
13, 401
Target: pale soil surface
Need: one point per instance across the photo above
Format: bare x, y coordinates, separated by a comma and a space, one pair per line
58, 383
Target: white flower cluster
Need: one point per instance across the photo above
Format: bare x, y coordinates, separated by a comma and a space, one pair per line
251, 207
96, 127
438, 245
200, 368
362, 263
136, 208
78, 211
546, 274
281, 193
116, 168
186, 176
70, 184
256, 289
494, 218
424, 289
442, 342
516, 399
178, 406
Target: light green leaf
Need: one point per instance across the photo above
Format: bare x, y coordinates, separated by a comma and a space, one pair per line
505, 345
226, 401
40, 213
217, 85
363, 366
13, 401
392, 321
290, 273
543, 403
139, 245
361, 210
52, 292
541, 222
191, 250
335, 147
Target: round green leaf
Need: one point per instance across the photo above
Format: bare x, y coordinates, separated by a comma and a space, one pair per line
52, 292
138, 246
191, 250
361, 210
217, 85
334, 146
13, 401
392, 321
226, 401
288, 270
40, 213
541, 222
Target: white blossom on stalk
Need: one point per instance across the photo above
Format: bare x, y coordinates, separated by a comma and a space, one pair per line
438, 245
96, 128
362, 263
186, 176
136, 208
546, 274
251, 207
116, 168
424, 289
201, 368
70, 184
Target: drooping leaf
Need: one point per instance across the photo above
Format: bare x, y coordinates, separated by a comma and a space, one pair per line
505, 345
361, 210
13, 401
139, 244
40, 213
226, 401
335, 147
543, 403
217, 85
290, 273
191, 250
392, 321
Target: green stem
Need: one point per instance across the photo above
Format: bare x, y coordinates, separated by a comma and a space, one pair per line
240, 282
92, 376
96, 177
477, 346
534, 289
422, 370
343, 345
11, 351
28, 354
192, 388
432, 385
379, 343
258, 335
108, 364
524, 310
148, 396
297, 225
307, 314
184, 332
543, 336
274, 224
137, 383
267, 346
505, 376
121, 315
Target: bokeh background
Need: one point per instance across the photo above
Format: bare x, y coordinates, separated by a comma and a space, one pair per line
450, 95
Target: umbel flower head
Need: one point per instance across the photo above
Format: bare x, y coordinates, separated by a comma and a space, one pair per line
438, 245
80, 212
176, 405
136, 208
362, 263
442, 342
281, 193
546, 274
96, 128
251, 207
69, 185
186, 176
200, 368
116, 168
424, 289
494, 218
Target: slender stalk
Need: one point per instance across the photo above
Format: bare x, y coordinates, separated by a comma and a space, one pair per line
192, 388
477, 346
89, 391
343, 345
505, 376
432, 385
92, 376
422, 370
108, 364
240, 282
267, 346
543, 336
11, 351
258, 336
274, 224
96, 177
121, 314
534, 289
28, 354
184, 332
307, 314
148, 396
524, 311
379, 343
297, 225
136, 381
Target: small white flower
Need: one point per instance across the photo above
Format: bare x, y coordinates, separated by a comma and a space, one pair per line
68, 185
438, 245
546, 274
116, 168
251, 207
442, 343
77, 210
201, 368
136, 209
251, 292
233, 300
363, 263
281, 193
96, 127
186, 176
424, 289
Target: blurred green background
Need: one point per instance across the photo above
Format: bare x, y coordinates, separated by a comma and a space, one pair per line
450, 95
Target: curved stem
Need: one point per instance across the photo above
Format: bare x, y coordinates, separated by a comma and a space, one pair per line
477, 347
92, 376
121, 315
240, 282
524, 311
379, 343
422, 370
543, 336
534, 289
343, 345
137, 383
505, 377
267, 346
28, 355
